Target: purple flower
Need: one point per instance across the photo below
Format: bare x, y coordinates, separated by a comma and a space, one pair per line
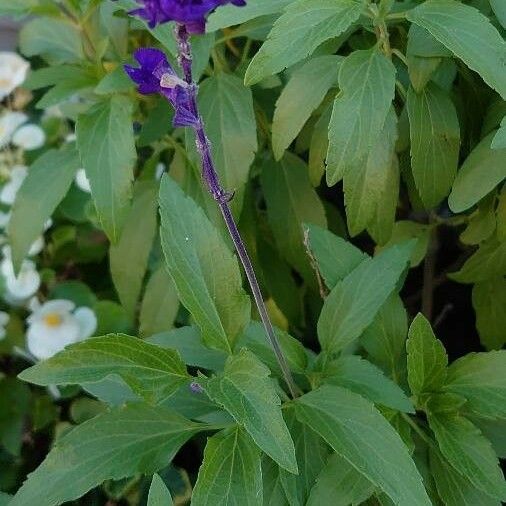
155, 75
191, 13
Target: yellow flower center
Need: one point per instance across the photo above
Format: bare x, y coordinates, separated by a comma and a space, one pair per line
53, 319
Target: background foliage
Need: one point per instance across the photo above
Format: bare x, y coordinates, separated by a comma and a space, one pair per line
366, 144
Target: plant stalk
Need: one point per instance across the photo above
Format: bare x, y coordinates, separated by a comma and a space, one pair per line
222, 197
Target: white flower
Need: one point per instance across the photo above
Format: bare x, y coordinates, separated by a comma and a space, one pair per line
4, 219
4, 320
9, 123
82, 181
19, 288
160, 171
37, 246
55, 325
13, 70
10, 189
29, 137
71, 137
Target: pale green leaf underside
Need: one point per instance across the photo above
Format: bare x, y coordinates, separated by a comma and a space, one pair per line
159, 494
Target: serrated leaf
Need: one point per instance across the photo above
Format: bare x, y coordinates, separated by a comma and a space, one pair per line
123, 442
468, 34
205, 272
453, 488
480, 173
478, 377
47, 183
311, 452
159, 494
246, 392
368, 186
357, 432
489, 301
335, 257
160, 304
360, 110
422, 43
105, 140
353, 304
435, 142
340, 484
129, 256
362, 377
319, 147
231, 472
291, 202
302, 94
304, 25
469, 452
150, 371
427, 359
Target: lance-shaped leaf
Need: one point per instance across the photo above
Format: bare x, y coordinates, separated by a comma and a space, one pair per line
204, 270
122, 442
301, 96
435, 141
468, 34
304, 25
105, 140
159, 494
45, 186
427, 359
154, 373
360, 434
231, 473
469, 452
245, 390
353, 304
478, 377
367, 83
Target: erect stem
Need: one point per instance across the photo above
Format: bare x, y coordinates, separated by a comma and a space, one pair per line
222, 197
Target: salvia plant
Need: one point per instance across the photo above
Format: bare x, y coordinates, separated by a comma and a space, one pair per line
285, 220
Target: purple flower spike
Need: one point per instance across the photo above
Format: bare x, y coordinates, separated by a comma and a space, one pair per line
155, 75
191, 13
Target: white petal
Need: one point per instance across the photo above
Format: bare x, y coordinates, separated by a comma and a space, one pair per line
4, 318
36, 247
87, 321
9, 123
82, 181
44, 341
13, 70
160, 170
62, 307
29, 137
71, 137
4, 219
21, 288
10, 190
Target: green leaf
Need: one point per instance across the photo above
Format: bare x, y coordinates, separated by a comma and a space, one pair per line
427, 359
319, 147
478, 377
188, 343
105, 140
274, 495
340, 484
160, 304
205, 272
499, 140
422, 43
303, 93
357, 432
150, 371
55, 40
4, 498
247, 393
353, 304
368, 186
231, 472
486, 263
291, 202
159, 494
480, 173
362, 377
47, 183
304, 25
227, 109
385, 339
360, 110
499, 9
469, 452
489, 301
468, 34
120, 443
435, 142
335, 257
129, 256
230, 15
311, 452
